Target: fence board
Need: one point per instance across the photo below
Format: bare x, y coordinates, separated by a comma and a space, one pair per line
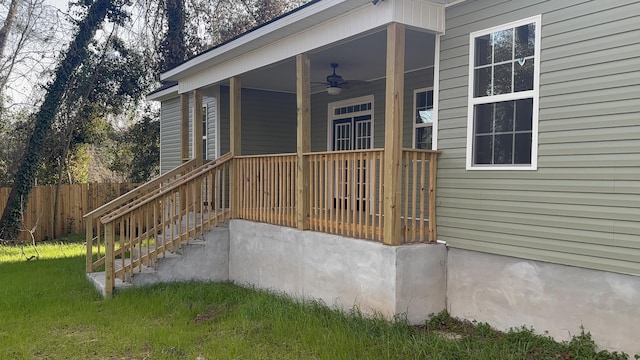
75, 201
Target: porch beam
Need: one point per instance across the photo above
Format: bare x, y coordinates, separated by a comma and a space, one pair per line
393, 133
235, 145
197, 127
184, 127
303, 99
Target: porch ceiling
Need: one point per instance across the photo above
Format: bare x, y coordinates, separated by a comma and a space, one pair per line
362, 58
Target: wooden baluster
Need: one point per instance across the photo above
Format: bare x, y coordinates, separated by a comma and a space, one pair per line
109, 265
433, 168
423, 185
88, 236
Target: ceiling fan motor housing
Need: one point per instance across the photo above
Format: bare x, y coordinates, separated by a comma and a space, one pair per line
334, 80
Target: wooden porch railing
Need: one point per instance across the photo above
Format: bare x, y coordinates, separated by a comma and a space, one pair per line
346, 193
137, 234
95, 229
418, 218
267, 189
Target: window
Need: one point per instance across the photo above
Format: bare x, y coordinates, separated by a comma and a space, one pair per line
423, 119
502, 125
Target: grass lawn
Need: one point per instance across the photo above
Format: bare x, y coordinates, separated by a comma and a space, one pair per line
48, 310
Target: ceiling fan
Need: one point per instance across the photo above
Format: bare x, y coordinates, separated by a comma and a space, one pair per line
335, 83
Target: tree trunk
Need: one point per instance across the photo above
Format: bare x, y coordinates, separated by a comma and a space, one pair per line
173, 48
8, 24
75, 55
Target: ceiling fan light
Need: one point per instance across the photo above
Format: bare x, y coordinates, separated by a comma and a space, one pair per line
333, 90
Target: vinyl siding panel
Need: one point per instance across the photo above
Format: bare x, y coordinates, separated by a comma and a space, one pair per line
169, 134
170, 131
211, 126
581, 207
268, 122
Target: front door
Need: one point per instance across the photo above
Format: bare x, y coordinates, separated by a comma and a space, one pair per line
351, 129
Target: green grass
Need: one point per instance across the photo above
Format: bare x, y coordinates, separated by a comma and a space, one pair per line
48, 310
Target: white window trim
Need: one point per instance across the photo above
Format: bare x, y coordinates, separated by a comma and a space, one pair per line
216, 96
436, 93
338, 104
205, 132
535, 94
433, 124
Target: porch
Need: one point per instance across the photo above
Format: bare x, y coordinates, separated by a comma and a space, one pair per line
328, 162
345, 197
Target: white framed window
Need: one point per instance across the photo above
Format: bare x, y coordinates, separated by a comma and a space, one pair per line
423, 119
504, 77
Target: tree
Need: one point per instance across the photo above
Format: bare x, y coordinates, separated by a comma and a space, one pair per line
8, 24
28, 53
173, 49
137, 149
74, 56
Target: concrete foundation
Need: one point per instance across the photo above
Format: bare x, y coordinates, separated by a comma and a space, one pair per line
509, 292
340, 271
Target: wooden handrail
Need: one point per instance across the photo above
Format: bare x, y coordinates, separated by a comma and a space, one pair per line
422, 151
343, 152
263, 156
161, 191
135, 193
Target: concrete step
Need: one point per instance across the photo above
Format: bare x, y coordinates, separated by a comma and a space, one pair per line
204, 259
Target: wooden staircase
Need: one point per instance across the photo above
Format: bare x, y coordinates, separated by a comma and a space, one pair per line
130, 236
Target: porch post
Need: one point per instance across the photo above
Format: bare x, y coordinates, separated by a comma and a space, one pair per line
184, 127
303, 98
235, 147
393, 133
197, 127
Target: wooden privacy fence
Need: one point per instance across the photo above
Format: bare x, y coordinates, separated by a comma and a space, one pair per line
74, 201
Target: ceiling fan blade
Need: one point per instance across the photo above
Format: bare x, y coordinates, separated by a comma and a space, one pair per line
348, 84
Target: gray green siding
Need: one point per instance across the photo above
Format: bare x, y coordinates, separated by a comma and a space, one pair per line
268, 122
170, 131
169, 134
582, 206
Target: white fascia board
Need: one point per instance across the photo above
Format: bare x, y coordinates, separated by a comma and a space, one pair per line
305, 17
417, 13
163, 94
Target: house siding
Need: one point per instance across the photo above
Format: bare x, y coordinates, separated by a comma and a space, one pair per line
581, 206
170, 114
268, 122
211, 126
169, 134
